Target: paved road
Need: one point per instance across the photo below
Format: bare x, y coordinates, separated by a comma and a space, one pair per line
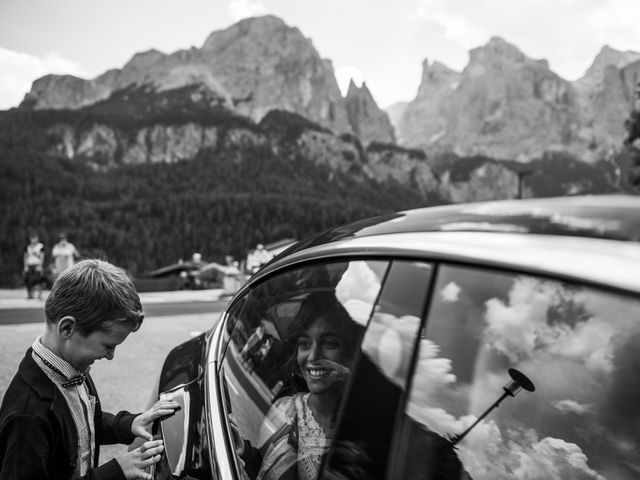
15, 309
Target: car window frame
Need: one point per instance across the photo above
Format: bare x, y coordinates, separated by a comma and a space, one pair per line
225, 339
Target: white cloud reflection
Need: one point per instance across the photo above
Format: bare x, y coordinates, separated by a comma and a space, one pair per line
520, 328
357, 290
576, 345
571, 406
450, 292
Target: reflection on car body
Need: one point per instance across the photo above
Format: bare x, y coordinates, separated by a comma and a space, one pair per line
455, 309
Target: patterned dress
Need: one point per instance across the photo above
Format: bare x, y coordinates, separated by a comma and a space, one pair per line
294, 442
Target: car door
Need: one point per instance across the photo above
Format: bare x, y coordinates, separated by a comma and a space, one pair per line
290, 341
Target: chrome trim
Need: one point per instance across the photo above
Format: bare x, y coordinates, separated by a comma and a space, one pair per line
213, 397
608, 263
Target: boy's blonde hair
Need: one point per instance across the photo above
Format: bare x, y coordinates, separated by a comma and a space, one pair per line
97, 294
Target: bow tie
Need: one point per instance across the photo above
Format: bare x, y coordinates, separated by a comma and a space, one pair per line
71, 382
75, 380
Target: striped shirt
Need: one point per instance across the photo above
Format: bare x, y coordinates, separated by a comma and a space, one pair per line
80, 402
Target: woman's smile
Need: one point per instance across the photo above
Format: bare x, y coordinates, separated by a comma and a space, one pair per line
317, 373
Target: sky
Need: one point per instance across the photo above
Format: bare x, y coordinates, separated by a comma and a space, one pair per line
380, 42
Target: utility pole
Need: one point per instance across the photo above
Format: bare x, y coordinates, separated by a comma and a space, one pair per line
521, 176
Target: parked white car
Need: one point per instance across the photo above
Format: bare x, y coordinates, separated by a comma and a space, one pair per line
492, 340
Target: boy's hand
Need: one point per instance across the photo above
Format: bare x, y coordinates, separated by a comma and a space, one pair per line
134, 463
142, 423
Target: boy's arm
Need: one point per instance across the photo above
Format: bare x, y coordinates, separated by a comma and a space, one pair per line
25, 445
115, 428
125, 427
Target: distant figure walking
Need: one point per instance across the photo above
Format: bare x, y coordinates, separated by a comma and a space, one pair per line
231, 275
64, 254
257, 258
33, 266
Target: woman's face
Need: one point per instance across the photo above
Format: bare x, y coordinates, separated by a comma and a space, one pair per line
322, 356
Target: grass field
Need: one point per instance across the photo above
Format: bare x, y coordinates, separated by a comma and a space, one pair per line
126, 381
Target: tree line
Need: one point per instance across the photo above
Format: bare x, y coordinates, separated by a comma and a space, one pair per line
142, 217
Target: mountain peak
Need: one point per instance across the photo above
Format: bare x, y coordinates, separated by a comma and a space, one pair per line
254, 27
496, 52
608, 57
497, 40
368, 122
145, 59
436, 71
361, 91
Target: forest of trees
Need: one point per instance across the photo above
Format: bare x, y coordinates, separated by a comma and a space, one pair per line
142, 217
223, 201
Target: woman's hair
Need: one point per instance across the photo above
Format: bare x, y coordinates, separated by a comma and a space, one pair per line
97, 294
323, 304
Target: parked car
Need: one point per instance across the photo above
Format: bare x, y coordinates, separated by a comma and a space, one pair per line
494, 340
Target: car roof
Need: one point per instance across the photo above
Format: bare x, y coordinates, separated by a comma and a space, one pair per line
591, 239
605, 216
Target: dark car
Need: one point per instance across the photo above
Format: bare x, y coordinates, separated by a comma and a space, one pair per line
492, 340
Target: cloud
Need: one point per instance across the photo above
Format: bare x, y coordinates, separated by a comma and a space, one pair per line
450, 292
18, 71
579, 346
389, 340
489, 454
432, 374
440, 421
357, 290
345, 74
522, 328
553, 458
615, 22
453, 24
432, 371
592, 24
571, 406
239, 9
514, 327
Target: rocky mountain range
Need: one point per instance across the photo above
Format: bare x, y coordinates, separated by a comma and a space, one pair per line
255, 66
506, 105
503, 108
248, 139
503, 104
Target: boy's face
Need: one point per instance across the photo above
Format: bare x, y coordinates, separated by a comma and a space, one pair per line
81, 351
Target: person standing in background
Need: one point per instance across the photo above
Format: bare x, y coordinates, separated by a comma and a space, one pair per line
64, 254
33, 261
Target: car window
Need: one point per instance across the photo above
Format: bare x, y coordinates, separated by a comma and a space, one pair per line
523, 377
363, 442
293, 341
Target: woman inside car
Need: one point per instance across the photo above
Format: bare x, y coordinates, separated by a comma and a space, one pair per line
300, 426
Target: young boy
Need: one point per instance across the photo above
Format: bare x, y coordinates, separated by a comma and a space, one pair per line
51, 421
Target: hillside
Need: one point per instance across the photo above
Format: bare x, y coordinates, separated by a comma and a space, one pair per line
145, 177
223, 200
